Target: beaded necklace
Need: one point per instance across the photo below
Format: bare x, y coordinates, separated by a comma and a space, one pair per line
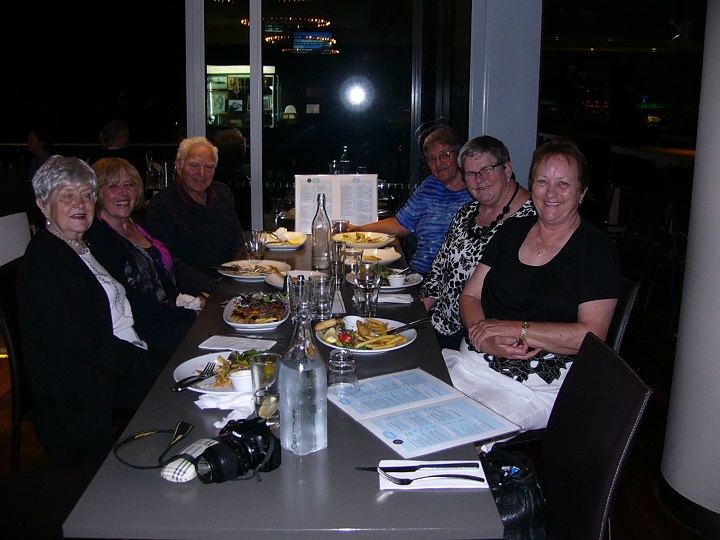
80, 246
486, 231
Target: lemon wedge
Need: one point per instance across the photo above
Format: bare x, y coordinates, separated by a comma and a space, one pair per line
269, 407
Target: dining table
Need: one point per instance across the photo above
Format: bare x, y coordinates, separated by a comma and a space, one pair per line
319, 495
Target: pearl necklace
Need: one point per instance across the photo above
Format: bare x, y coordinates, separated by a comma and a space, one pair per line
80, 246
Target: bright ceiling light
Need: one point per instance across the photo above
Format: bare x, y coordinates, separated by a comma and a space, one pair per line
357, 93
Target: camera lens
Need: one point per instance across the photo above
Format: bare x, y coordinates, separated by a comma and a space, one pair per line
219, 463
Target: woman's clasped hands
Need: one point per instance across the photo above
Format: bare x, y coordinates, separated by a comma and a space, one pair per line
500, 338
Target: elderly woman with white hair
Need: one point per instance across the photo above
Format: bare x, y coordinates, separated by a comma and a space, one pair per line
195, 218
83, 358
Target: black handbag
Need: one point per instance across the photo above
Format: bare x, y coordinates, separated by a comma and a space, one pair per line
519, 499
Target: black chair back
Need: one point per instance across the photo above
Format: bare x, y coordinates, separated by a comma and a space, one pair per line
10, 326
590, 431
621, 317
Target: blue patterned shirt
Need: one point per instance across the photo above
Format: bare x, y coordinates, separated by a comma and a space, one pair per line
427, 214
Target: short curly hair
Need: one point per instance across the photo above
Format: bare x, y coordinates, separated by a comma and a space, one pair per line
59, 171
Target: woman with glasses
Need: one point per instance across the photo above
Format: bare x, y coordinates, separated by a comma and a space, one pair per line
487, 170
195, 218
543, 283
431, 207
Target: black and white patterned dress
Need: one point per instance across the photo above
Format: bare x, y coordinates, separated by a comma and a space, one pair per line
457, 259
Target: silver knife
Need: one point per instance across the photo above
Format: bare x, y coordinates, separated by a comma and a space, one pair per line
189, 381
409, 325
413, 468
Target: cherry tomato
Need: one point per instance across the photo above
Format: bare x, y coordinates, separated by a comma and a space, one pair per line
345, 338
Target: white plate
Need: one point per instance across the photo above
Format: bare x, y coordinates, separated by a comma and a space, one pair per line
227, 315
373, 239
351, 322
249, 265
276, 281
192, 366
386, 256
410, 281
274, 245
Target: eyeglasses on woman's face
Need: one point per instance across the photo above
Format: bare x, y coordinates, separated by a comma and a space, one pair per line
445, 157
485, 172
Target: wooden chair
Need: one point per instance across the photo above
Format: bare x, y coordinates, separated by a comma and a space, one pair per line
14, 237
587, 441
616, 333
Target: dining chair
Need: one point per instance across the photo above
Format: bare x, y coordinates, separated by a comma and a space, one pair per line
616, 334
14, 237
587, 440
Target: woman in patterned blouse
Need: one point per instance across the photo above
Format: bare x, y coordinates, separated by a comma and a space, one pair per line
487, 171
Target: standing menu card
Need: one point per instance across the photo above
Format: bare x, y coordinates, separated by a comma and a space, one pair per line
416, 414
347, 196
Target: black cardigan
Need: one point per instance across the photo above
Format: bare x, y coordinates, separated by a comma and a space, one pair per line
78, 371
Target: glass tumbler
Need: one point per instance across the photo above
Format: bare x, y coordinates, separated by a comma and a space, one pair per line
342, 376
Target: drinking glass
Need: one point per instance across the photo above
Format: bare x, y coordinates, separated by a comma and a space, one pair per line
340, 226
255, 244
299, 296
337, 264
322, 294
342, 376
367, 287
352, 258
267, 405
264, 368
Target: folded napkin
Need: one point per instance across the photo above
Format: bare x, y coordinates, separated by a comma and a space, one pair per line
431, 483
385, 298
188, 302
338, 304
232, 343
182, 469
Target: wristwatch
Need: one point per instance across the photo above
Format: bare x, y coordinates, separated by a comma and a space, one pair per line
523, 331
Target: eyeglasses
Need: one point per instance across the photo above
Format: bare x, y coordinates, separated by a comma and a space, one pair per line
482, 173
445, 157
195, 167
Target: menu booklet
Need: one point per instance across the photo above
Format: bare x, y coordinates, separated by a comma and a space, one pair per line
416, 414
347, 196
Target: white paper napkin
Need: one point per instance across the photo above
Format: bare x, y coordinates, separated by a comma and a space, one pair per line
385, 298
188, 302
431, 483
338, 304
232, 343
241, 404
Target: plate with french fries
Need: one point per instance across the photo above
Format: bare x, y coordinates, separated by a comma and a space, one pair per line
363, 335
257, 311
365, 240
253, 270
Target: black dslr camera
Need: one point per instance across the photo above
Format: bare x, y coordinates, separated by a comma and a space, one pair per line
243, 445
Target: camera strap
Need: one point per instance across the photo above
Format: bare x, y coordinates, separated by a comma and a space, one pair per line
182, 429
256, 470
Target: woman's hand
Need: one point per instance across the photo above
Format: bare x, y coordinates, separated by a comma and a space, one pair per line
497, 337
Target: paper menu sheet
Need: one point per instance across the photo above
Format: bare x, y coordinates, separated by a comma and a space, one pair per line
416, 414
347, 196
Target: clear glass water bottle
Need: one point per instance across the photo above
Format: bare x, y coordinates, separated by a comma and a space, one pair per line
320, 236
344, 165
303, 390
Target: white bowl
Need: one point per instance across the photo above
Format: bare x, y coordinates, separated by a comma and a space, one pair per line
241, 380
396, 281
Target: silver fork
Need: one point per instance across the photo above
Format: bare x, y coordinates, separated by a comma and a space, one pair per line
208, 371
408, 481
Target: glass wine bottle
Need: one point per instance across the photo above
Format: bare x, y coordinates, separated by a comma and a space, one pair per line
320, 236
